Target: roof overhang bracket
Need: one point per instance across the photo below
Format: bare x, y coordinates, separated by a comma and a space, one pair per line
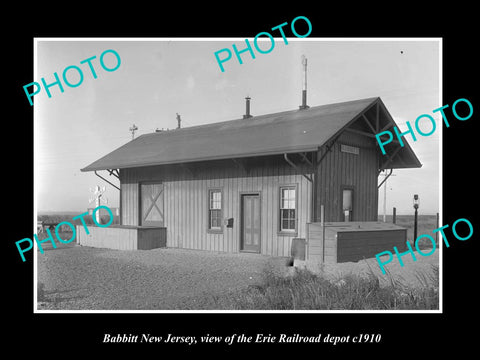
101, 177
374, 131
360, 132
388, 126
241, 165
329, 148
114, 172
188, 170
306, 159
386, 177
390, 159
308, 177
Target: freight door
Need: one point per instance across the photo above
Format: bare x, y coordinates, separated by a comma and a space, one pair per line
151, 204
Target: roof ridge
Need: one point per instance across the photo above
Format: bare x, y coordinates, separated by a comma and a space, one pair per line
254, 117
268, 134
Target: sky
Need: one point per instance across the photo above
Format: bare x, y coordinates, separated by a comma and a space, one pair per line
159, 78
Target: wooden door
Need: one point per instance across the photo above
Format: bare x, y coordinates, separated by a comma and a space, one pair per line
151, 204
250, 228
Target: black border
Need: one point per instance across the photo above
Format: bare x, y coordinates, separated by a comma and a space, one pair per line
418, 334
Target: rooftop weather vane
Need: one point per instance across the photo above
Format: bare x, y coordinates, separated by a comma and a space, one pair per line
132, 129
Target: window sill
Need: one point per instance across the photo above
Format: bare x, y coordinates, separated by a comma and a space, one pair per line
214, 231
287, 233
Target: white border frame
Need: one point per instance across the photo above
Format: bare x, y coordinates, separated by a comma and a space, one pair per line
439, 311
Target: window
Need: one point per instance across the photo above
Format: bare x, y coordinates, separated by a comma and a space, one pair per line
215, 209
288, 205
347, 204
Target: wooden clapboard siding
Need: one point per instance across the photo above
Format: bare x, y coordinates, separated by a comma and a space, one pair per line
186, 201
129, 199
122, 237
352, 241
315, 245
354, 246
338, 169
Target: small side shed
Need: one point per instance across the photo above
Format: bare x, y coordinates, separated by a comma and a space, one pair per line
335, 242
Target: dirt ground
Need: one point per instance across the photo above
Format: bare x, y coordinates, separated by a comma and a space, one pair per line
79, 278
82, 278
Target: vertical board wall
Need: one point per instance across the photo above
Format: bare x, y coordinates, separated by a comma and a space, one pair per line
186, 201
338, 170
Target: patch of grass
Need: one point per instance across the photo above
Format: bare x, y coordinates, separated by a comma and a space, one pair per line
307, 291
425, 225
40, 291
45, 302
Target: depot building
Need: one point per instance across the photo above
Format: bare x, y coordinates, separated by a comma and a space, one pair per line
257, 184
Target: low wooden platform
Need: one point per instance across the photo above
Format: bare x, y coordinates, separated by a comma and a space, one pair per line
352, 241
122, 237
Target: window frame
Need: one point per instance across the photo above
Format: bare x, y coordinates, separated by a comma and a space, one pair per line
140, 221
342, 213
280, 230
214, 230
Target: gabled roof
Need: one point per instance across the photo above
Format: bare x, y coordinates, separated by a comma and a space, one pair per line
271, 134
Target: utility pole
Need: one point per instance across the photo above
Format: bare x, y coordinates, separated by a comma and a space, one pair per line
385, 199
132, 129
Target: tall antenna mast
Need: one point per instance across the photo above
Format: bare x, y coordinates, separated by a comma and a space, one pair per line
179, 122
132, 129
304, 84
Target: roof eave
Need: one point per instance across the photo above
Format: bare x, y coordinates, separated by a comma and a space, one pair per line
219, 157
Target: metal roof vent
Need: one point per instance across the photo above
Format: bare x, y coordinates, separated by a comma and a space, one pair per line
304, 85
247, 110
